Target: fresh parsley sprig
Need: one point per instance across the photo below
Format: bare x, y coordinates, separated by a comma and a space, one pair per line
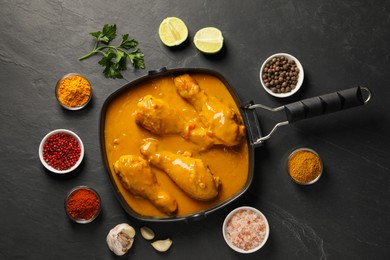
115, 56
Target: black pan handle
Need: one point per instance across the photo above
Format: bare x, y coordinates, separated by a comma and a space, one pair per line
326, 104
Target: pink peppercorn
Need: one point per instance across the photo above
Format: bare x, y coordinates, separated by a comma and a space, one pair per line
61, 151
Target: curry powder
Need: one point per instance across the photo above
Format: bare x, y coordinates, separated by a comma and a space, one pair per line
304, 166
74, 91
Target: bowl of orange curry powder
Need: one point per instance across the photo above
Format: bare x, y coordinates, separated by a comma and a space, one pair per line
304, 166
82, 204
73, 91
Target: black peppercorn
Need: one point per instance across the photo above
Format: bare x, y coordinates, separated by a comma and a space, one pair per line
280, 74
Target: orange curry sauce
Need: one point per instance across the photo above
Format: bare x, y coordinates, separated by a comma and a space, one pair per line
123, 136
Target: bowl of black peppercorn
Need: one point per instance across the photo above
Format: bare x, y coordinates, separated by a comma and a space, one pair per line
281, 75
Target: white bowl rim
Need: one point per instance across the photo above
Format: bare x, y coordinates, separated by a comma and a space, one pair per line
228, 217
300, 79
44, 139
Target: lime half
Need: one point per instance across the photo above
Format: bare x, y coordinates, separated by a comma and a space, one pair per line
208, 40
172, 31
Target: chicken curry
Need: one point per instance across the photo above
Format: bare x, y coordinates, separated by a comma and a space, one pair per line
176, 145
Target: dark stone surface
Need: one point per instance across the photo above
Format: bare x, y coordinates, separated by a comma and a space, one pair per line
341, 44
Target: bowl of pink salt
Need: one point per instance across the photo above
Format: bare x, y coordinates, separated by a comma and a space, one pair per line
245, 229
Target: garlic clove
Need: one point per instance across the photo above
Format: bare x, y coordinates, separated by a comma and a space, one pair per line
147, 233
162, 245
120, 239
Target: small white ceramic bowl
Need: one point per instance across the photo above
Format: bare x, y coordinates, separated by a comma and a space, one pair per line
300, 75
249, 212
43, 142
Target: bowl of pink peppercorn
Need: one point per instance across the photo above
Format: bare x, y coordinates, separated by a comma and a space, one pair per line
61, 151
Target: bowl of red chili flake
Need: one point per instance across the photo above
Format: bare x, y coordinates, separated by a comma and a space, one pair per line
245, 229
61, 151
82, 204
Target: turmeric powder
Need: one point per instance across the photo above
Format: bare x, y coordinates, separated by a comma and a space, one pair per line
73, 91
304, 166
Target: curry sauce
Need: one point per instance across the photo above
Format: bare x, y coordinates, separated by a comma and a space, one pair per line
123, 136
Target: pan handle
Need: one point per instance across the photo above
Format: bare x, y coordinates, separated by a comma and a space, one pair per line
316, 106
326, 104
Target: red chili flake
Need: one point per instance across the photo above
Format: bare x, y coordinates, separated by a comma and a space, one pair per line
83, 204
61, 151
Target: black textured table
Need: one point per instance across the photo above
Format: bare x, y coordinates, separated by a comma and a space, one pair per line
341, 44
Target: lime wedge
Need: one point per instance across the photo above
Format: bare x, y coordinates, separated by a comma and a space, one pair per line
172, 31
208, 40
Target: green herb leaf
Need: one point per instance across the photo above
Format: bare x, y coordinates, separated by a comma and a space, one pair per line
109, 33
137, 58
96, 34
110, 70
107, 58
119, 56
121, 60
114, 58
128, 44
124, 38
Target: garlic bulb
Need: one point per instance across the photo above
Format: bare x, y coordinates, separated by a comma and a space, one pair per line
120, 238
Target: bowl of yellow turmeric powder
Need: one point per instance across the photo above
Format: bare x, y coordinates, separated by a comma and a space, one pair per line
304, 166
73, 91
